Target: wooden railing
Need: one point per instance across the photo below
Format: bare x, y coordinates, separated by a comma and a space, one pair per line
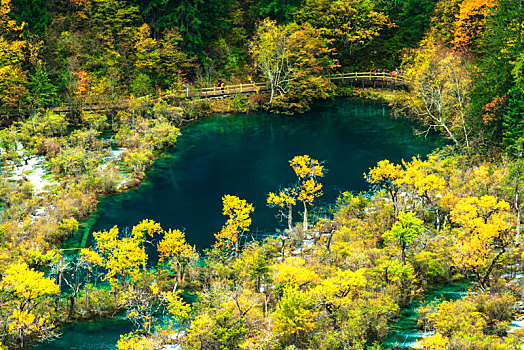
228, 90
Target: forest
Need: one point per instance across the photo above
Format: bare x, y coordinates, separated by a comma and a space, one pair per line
92, 93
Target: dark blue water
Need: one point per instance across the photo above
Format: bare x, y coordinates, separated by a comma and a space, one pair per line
247, 155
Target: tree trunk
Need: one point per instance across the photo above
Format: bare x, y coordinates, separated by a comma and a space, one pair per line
283, 246
304, 225
237, 248
290, 217
71, 307
178, 271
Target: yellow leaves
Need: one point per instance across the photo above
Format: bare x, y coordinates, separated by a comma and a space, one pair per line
122, 257
434, 342
21, 320
485, 226
155, 289
353, 24
147, 53
384, 171
305, 166
7, 24
24, 321
174, 245
284, 198
133, 341
418, 174
145, 228
293, 271
341, 288
238, 211
27, 283
293, 314
82, 83
92, 256
176, 306
227, 237
309, 190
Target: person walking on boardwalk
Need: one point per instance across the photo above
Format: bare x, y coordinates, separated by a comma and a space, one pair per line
220, 84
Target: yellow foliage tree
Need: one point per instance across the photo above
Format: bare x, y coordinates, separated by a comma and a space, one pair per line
12, 49
30, 289
387, 175
293, 315
237, 210
174, 248
121, 257
485, 230
286, 198
307, 170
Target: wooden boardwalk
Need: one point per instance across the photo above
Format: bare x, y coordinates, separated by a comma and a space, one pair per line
361, 79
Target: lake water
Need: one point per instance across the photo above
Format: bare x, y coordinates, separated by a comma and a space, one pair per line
248, 155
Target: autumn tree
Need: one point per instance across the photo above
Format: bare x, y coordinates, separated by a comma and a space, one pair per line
352, 24
123, 258
174, 249
307, 171
30, 290
270, 50
13, 78
469, 22
293, 316
484, 233
295, 59
440, 82
285, 199
237, 210
387, 175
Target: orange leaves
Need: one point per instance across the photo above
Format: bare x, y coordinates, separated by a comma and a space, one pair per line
469, 22
82, 83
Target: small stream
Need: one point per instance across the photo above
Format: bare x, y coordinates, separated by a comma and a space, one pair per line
404, 332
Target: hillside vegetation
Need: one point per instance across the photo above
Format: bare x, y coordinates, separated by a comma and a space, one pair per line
336, 283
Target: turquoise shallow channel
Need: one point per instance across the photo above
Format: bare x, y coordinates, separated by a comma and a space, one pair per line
247, 155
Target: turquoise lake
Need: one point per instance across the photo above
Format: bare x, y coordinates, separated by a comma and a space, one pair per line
247, 155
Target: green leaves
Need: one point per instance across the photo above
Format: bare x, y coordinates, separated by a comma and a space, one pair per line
404, 231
